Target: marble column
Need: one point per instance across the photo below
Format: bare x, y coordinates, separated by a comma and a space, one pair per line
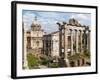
25, 50
76, 41
88, 40
81, 46
60, 42
85, 40
71, 42
65, 42
87, 32
66, 47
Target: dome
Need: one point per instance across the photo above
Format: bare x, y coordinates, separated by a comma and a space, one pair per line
35, 24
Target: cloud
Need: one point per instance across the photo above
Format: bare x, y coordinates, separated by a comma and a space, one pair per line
52, 15
49, 25
79, 16
48, 20
82, 18
27, 19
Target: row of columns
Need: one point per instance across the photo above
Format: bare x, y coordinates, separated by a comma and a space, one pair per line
84, 36
77, 45
75, 35
83, 45
63, 45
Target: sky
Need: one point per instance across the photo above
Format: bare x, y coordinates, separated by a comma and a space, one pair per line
48, 19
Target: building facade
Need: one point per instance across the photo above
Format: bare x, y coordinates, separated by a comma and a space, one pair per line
36, 37
51, 44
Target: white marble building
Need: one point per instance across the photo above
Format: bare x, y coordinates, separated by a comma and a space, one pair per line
51, 44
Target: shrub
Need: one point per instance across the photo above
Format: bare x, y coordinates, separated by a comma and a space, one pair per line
45, 60
87, 54
54, 65
32, 61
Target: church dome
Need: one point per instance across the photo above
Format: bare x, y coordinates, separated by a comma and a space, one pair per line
35, 24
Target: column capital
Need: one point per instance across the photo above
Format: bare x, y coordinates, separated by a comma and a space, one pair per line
70, 29
76, 30
89, 30
80, 30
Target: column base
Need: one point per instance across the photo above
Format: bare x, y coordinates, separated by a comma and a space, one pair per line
67, 62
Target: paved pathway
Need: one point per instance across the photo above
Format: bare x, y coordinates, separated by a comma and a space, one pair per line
42, 66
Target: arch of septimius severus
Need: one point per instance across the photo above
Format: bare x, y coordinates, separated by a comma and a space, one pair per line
72, 38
